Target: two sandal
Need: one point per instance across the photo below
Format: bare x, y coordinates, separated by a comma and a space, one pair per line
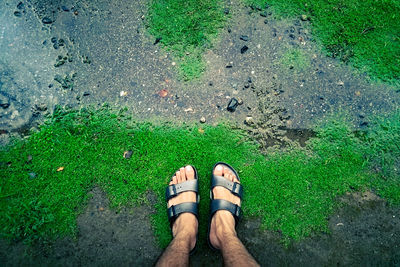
216, 204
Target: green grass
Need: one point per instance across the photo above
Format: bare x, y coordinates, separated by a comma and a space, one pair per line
295, 58
186, 28
293, 191
362, 32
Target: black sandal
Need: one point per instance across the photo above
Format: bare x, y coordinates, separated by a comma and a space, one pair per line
192, 207
221, 204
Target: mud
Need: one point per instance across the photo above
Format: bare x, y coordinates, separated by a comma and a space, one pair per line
365, 231
99, 51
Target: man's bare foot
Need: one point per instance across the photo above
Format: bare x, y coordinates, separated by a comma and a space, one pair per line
223, 223
185, 226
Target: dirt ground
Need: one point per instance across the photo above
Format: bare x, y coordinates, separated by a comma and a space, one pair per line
114, 60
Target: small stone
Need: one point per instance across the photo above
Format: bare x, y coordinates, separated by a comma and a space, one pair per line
229, 30
265, 21
229, 66
244, 38
244, 49
249, 120
291, 36
47, 20
304, 17
86, 93
101, 209
64, 8
232, 105
32, 175
29, 159
246, 85
55, 46
163, 93
76, 13
173, 63
157, 40
128, 154
53, 40
202, 119
17, 14
274, 76
226, 11
240, 101
263, 14
20, 5
210, 84
123, 93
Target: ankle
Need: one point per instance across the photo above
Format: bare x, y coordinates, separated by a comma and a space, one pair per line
224, 225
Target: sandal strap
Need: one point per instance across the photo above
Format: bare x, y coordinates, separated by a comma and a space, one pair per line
175, 189
235, 188
175, 210
221, 204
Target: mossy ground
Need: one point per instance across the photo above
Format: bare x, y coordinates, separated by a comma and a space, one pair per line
363, 33
186, 28
293, 191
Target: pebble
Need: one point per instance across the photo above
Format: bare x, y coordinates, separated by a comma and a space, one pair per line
229, 65
86, 93
173, 63
20, 5
249, 120
17, 14
304, 17
128, 154
53, 39
244, 49
263, 14
232, 105
202, 119
246, 85
226, 11
32, 175
123, 93
244, 38
210, 83
64, 8
240, 101
47, 20
265, 21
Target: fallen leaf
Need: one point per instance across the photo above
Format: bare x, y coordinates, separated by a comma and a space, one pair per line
101, 209
163, 93
358, 93
201, 130
60, 169
128, 154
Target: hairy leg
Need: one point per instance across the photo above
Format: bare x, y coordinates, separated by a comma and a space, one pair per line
222, 231
184, 229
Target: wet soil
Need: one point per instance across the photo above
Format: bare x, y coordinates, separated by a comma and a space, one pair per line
99, 51
364, 232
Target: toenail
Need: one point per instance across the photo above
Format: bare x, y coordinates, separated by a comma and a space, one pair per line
218, 168
188, 168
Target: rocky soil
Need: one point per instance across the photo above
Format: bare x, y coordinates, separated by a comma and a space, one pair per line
79, 53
